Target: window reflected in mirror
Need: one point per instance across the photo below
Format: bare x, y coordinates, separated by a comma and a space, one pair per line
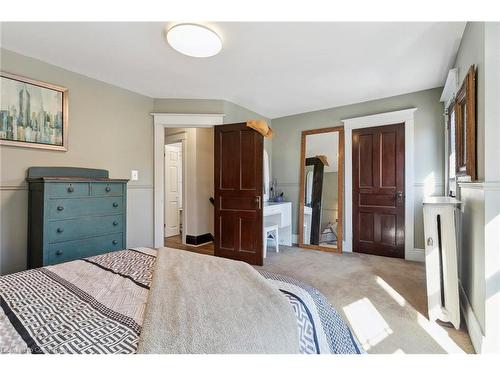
321, 189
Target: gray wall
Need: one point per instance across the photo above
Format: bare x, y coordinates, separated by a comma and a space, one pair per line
429, 144
172, 105
232, 112
109, 128
472, 246
471, 51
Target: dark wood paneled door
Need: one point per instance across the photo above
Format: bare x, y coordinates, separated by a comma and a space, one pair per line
238, 193
378, 169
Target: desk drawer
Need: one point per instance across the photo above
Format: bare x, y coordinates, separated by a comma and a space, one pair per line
59, 209
106, 188
66, 230
71, 250
272, 210
67, 189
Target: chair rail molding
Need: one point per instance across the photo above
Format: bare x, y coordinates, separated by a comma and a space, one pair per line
405, 116
171, 120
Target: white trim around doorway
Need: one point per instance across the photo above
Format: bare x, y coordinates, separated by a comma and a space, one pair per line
162, 121
405, 116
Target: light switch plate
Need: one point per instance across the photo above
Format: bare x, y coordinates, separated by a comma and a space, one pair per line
134, 175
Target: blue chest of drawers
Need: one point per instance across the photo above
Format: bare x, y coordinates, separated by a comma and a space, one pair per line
74, 213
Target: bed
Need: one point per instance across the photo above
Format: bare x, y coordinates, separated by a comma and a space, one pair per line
97, 305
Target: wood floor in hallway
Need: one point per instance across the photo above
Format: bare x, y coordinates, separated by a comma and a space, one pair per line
176, 243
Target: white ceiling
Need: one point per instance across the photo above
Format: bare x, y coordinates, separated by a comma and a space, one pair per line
275, 69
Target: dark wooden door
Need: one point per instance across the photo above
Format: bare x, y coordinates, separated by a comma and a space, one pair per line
238, 193
378, 162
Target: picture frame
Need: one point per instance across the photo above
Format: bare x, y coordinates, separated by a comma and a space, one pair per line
465, 122
33, 113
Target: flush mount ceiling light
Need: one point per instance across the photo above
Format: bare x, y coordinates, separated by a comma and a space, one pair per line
194, 40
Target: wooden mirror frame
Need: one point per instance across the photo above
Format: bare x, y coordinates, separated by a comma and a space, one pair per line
452, 142
466, 148
340, 216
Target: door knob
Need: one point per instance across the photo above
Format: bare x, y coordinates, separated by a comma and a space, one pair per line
115, 204
71, 189
258, 201
60, 208
115, 223
59, 252
108, 188
115, 242
60, 230
399, 194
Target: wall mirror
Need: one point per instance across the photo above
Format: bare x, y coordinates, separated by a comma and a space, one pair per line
321, 189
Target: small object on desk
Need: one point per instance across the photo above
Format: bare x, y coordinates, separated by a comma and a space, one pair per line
279, 198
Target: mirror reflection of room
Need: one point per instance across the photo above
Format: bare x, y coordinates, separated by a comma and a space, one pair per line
321, 190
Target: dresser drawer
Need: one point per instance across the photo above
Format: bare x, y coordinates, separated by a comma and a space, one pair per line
67, 189
65, 230
106, 188
59, 209
71, 250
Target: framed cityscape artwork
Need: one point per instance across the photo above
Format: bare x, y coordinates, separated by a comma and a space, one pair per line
33, 113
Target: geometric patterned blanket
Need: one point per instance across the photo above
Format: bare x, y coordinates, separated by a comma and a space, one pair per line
96, 305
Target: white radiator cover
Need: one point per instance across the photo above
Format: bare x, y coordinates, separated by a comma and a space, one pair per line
442, 258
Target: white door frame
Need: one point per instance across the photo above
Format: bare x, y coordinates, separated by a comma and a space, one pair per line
171, 120
389, 118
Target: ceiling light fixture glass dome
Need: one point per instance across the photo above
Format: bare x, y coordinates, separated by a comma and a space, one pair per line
194, 40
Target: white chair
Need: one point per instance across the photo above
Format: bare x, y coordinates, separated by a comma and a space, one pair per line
272, 232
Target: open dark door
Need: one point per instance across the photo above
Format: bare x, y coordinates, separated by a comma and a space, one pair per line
238, 189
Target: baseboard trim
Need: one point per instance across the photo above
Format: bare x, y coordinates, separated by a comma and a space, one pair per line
199, 240
416, 255
473, 326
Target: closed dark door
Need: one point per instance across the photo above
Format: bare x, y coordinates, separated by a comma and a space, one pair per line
378, 190
238, 193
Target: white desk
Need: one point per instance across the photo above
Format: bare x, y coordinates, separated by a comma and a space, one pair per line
280, 213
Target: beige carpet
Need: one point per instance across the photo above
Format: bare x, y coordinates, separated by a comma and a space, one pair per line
383, 299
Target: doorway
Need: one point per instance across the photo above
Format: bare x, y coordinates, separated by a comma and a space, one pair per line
164, 121
188, 186
378, 165
406, 117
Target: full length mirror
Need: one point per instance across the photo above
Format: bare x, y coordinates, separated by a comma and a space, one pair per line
320, 204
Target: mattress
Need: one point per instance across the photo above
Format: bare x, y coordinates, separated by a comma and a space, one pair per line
96, 305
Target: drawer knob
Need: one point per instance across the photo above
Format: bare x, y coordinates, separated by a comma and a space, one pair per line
115, 242
59, 252
60, 208
115, 204
115, 223
60, 230
71, 189
108, 188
